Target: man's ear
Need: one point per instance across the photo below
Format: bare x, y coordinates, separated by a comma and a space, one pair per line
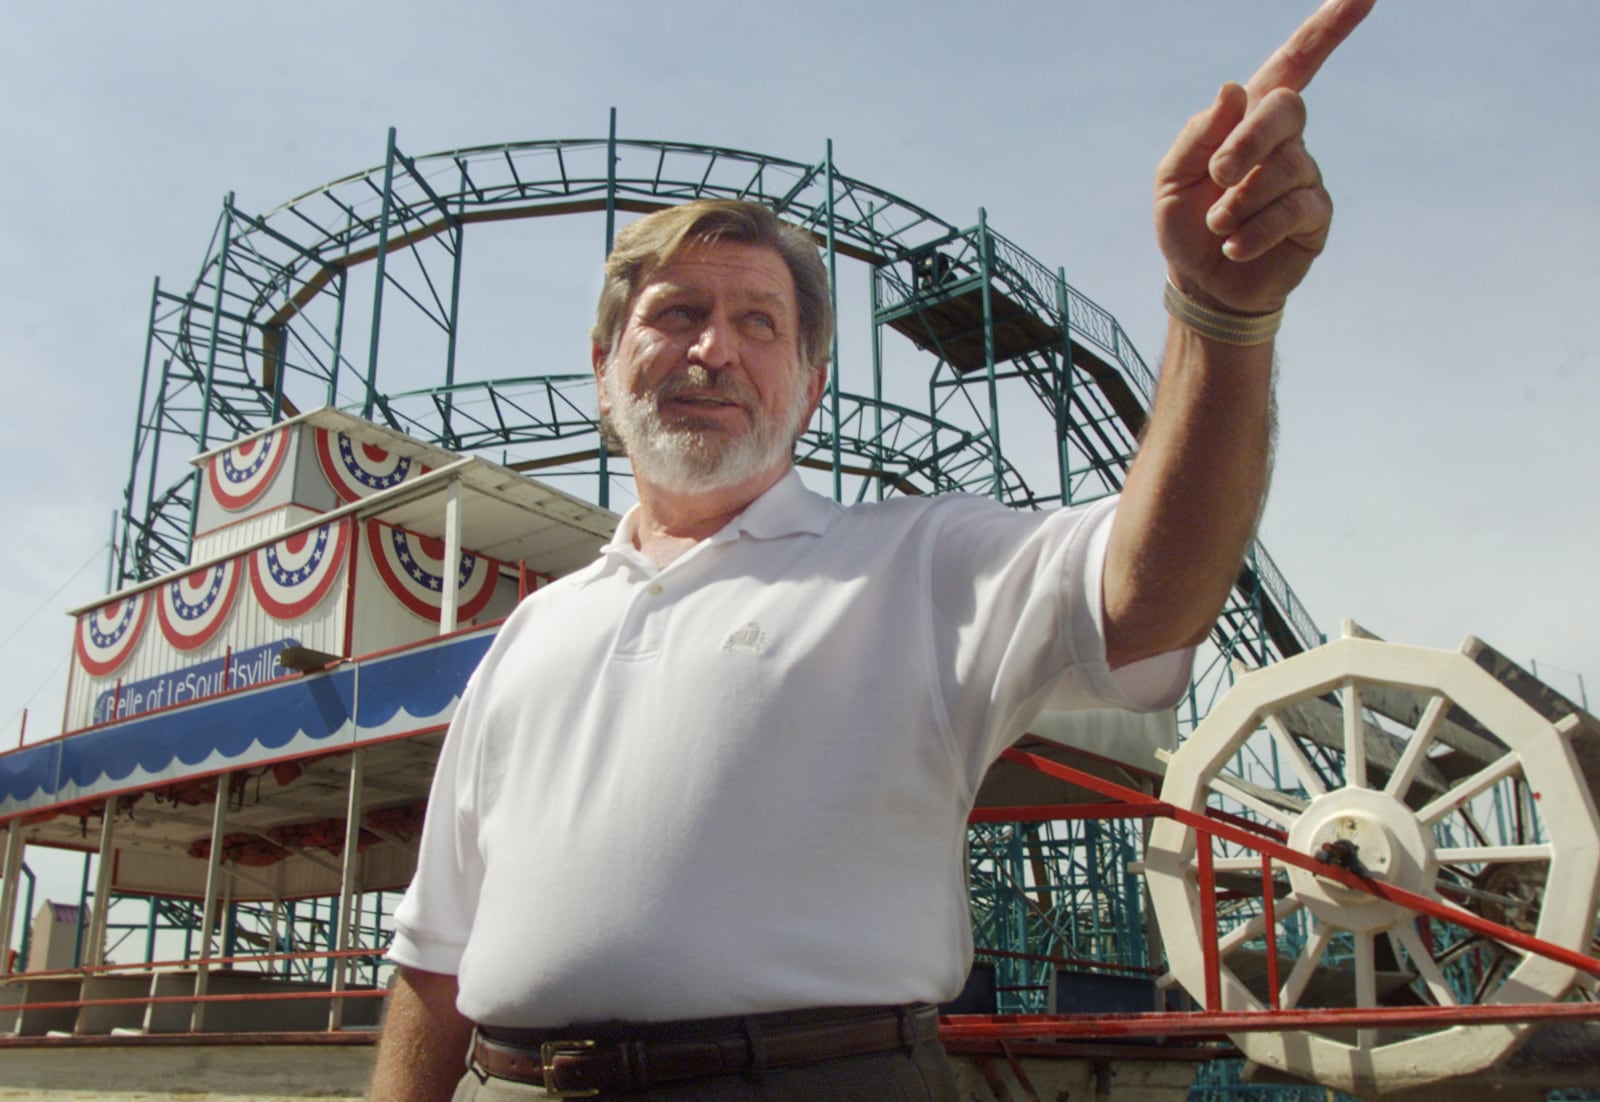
597, 358
815, 385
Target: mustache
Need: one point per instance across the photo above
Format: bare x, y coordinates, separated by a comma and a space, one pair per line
701, 381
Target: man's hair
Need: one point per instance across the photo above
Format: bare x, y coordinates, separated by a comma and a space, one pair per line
644, 246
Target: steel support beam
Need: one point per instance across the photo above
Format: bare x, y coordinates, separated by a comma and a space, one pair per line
349, 883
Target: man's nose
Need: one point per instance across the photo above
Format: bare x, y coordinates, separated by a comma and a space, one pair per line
718, 341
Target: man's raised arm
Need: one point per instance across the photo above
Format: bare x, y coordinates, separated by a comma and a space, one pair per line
1240, 214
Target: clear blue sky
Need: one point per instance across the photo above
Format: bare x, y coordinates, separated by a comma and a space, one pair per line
1438, 458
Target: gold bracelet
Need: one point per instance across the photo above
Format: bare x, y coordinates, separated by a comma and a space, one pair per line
1221, 325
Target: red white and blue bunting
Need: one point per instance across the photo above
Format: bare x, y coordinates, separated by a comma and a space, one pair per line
292, 576
192, 608
240, 475
412, 566
356, 470
108, 634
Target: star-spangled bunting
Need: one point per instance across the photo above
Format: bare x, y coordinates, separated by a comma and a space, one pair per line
357, 470
194, 607
412, 567
293, 575
107, 635
239, 476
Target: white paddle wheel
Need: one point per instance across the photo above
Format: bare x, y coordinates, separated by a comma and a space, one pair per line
1449, 776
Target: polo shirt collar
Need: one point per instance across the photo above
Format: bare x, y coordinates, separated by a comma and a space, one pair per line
786, 509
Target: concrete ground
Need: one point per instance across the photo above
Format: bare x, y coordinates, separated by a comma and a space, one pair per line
295, 1073
170, 1073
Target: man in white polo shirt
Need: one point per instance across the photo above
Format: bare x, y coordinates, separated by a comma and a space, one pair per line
697, 827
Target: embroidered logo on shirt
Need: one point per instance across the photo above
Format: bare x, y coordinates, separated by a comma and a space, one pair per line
747, 640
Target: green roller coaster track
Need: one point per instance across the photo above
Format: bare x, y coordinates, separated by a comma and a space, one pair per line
965, 330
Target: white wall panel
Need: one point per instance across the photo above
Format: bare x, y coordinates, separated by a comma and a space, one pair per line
243, 652
242, 534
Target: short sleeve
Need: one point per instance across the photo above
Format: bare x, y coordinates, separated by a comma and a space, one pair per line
1018, 612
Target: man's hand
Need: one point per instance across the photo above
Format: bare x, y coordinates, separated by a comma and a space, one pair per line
1240, 208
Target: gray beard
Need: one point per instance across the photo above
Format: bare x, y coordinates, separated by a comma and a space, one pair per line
685, 459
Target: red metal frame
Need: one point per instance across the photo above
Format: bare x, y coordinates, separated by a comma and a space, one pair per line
1216, 826
970, 1033
1203, 1023
93, 971
992, 1034
1269, 915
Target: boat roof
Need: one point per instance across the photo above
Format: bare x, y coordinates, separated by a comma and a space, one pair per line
504, 513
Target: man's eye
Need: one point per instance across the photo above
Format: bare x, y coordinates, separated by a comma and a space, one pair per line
677, 315
761, 325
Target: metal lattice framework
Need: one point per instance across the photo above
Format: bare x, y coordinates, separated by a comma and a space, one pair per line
985, 372
1055, 894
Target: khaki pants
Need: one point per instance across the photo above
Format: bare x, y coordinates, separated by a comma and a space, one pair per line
921, 1074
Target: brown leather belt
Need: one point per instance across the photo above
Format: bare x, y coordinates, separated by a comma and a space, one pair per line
584, 1061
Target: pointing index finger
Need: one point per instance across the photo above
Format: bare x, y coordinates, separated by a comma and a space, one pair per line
1294, 63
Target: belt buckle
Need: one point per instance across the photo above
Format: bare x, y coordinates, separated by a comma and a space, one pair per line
547, 1058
